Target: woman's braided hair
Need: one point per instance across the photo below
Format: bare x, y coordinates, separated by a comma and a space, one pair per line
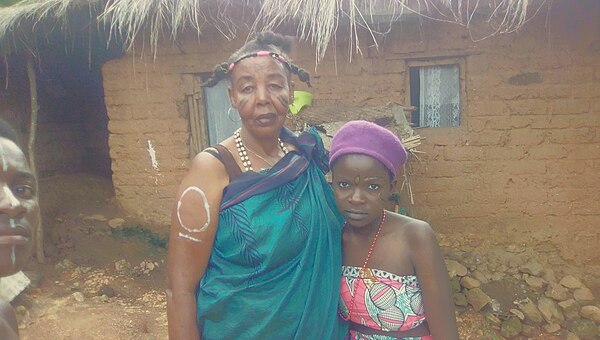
277, 44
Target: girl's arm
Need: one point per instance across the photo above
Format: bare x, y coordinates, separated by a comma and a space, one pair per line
433, 277
194, 221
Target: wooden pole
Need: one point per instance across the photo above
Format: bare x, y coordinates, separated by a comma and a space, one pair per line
39, 232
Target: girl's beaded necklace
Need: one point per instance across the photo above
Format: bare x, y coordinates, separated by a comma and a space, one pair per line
241, 149
361, 273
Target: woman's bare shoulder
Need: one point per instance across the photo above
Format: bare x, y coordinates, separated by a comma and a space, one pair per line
205, 172
207, 166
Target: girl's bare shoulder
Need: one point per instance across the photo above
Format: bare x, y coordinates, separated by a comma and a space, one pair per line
413, 230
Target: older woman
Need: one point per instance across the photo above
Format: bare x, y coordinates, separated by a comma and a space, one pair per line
255, 242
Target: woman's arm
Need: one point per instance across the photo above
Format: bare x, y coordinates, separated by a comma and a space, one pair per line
433, 277
194, 221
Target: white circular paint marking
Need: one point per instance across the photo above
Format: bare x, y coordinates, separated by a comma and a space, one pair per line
206, 207
188, 237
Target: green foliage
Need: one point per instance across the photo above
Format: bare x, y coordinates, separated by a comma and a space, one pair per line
143, 234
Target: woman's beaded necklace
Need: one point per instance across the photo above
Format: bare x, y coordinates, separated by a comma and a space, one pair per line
361, 273
241, 149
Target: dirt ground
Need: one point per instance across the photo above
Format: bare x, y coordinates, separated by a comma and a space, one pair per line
79, 293
100, 282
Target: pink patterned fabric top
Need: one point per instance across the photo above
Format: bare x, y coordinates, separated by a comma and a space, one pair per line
383, 301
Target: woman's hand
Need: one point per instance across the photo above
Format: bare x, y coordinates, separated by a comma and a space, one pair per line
194, 221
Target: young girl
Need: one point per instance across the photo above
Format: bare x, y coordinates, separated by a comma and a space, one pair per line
394, 284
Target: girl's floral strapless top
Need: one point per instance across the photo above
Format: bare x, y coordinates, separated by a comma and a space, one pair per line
381, 300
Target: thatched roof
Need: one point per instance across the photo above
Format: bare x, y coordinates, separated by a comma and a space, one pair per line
317, 21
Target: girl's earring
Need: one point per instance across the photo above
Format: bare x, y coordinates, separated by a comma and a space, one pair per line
231, 118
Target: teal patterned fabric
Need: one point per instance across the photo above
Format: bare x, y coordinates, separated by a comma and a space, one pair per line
274, 271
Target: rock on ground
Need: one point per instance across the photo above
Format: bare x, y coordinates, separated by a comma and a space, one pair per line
557, 292
95, 217
116, 223
478, 298
550, 310
570, 309
535, 282
455, 268
591, 312
583, 295
532, 267
78, 296
552, 328
460, 299
531, 311
529, 331
571, 282
584, 328
511, 327
469, 282
572, 336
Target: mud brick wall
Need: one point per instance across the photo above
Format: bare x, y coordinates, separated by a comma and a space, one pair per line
147, 123
522, 165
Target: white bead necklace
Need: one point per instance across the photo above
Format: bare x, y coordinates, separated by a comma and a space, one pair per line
241, 149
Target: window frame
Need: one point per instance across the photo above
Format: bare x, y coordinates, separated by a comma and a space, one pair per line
193, 102
441, 61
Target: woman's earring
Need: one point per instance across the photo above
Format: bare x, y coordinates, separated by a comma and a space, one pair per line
231, 118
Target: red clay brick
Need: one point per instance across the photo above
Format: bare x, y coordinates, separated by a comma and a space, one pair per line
569, 106
465, 153
525, 137
488, 108
547, 151
504, 152
512, 122
487, 138
533, 167
528, 107
551, 122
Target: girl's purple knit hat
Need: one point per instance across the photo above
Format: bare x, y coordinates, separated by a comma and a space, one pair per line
366, 138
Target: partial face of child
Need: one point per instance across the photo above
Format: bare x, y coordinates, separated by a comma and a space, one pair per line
362, 186
18, 208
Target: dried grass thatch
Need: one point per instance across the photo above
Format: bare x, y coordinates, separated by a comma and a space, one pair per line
126, 20
316, 20
167, 18
22, 22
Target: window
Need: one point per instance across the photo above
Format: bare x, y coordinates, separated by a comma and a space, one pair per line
435, 92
